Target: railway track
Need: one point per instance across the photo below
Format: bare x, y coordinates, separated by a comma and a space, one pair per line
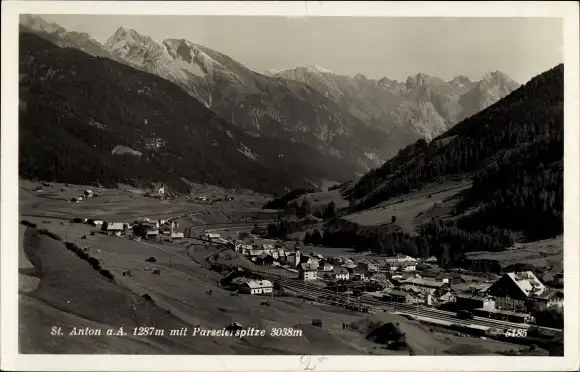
375, 305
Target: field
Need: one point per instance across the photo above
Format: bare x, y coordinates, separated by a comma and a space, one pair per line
547, 254
58, 288
414, 209
127, 203
322, 198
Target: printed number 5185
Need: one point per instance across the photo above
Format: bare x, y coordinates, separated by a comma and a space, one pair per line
516, 332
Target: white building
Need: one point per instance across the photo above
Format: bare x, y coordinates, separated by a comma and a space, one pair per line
212, 236
307, 272
253, 287
341, 273
399, 259
113, 227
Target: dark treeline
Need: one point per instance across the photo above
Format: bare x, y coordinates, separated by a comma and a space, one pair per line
76, 108
282, 202
446, 240
513, 150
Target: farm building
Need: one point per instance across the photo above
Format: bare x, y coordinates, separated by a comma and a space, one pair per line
358, 273
325, 266
176, 236
452, 279
113, 227
307, 271
265, 259
341, 273
250, 286
212, 236
152, 235
88, 193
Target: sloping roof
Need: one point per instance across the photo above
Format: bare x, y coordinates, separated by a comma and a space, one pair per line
264, 255
115, 226
340, 270
527, 282
423, 282
395, 292
308, 267
548, 293
471, 296
255, 284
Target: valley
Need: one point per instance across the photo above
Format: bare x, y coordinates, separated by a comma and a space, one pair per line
163, 184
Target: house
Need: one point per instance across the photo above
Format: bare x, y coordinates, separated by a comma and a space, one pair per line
152, 234
96, 223
265, 259
76, 199
474, 301
257, 287
401, 297
431, 260
176, 236
212, 236
251, 286
341, 273
307, 271
423, 285
516, 291
408, 266
447, 296
325, 266
451, 278
549, 298
309, 260
245, 249
399, 259
357, 273
161, 190
369, 265
88, 193
112, 227
267, 247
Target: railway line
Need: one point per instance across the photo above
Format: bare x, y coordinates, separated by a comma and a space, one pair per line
376, 305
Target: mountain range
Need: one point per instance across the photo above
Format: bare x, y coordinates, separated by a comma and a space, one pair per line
424, 104
347, 125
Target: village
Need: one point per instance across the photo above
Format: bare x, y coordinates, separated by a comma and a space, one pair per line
401, 279
145, 239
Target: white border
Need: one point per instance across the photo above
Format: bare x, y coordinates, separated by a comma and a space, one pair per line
9, 221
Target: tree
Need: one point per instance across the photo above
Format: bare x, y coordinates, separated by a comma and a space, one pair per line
316, 237
307, 238
393, 219
330, 210
305, 208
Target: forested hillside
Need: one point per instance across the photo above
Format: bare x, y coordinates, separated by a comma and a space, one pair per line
513, 151
76, 109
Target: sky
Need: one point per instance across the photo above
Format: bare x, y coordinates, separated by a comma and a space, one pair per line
375, 47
